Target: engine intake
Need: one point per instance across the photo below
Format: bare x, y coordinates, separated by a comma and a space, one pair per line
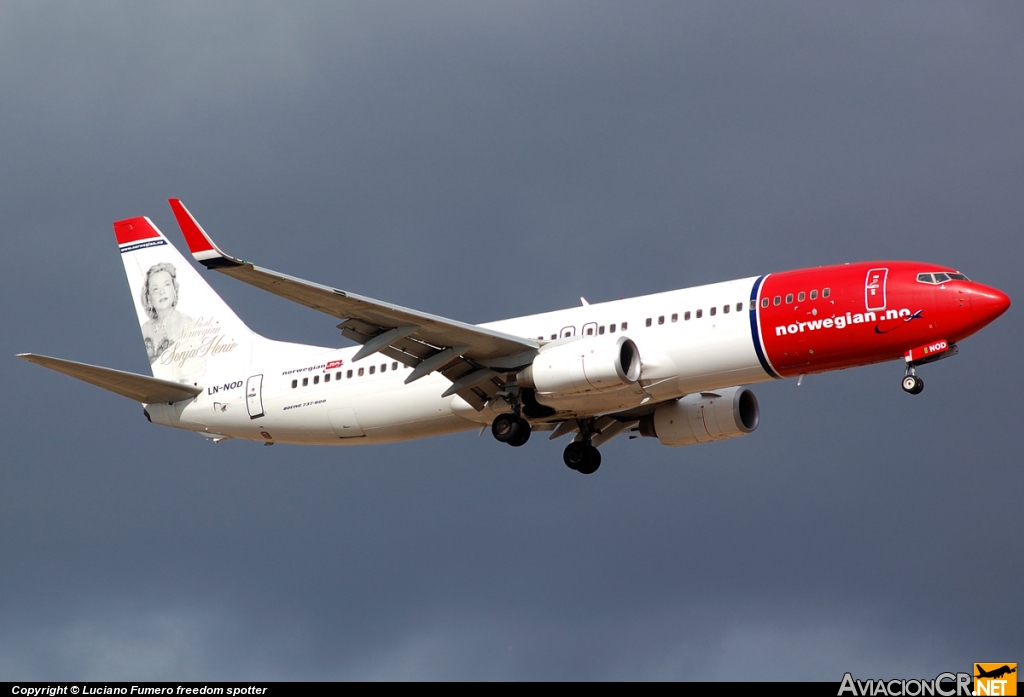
589, 365
703, 417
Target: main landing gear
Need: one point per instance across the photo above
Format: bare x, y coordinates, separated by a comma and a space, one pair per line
582, 457
579, 455
912, 382
510, 428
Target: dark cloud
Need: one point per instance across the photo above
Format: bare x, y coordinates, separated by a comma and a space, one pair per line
482, 161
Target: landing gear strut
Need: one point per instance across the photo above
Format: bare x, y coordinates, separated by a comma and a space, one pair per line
912, 383
510, 428
582, 457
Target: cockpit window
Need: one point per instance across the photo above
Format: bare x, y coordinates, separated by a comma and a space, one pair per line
935, 278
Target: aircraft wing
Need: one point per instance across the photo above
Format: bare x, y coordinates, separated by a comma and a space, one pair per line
141, 388
471, 357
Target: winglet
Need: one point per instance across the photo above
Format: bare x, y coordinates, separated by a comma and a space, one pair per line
199, 243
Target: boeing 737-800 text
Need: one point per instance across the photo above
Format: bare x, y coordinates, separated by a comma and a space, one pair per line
671, 366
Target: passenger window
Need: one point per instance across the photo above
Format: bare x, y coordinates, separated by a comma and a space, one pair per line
725, 309
337, 376
394, 365
777, 300
739, 306
801, 296
648, 323
686, 316
764, 302
625, 326
295, 383
825, 293
814, 295
789, 298
305, 382
675, 316
600, 330
700, 313
361, 372
316, 379
383, 367
661, 319
611, 328
348, 374
590, 331
554, 336
713, 311
327, 378
373, 369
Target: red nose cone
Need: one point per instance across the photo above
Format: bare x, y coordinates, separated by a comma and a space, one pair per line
987, 303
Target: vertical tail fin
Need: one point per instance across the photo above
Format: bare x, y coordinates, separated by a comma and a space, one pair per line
188, 331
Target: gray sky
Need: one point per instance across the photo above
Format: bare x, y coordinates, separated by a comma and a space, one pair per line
479, 161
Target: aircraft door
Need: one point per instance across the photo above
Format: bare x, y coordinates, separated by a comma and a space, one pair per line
254, 396
874, 289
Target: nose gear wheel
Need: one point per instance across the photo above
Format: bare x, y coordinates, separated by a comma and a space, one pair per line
913, 384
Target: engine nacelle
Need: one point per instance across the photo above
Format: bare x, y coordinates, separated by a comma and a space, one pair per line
703, 417
593, 364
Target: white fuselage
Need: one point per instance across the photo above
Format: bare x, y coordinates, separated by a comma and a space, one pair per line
313, 395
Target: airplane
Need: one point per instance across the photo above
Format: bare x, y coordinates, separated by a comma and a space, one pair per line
674, 366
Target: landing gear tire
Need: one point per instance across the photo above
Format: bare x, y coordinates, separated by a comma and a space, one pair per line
511, 429
505, 427
913, 384
593, 463
522, 435
582, 457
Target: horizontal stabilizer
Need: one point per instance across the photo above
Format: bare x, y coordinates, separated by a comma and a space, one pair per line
140, 388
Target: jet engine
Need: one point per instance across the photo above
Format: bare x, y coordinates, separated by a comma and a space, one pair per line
703, 417
584, 366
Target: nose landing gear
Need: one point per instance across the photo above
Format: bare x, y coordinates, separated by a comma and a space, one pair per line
912, 382
929, 353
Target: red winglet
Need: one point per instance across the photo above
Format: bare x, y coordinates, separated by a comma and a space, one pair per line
134, 230
196, 238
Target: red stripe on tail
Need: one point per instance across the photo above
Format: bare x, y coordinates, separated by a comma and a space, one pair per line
134, 229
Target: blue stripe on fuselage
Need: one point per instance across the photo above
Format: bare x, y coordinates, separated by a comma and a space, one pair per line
755, 334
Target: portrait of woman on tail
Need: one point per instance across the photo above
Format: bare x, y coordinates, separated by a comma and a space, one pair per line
160, 301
